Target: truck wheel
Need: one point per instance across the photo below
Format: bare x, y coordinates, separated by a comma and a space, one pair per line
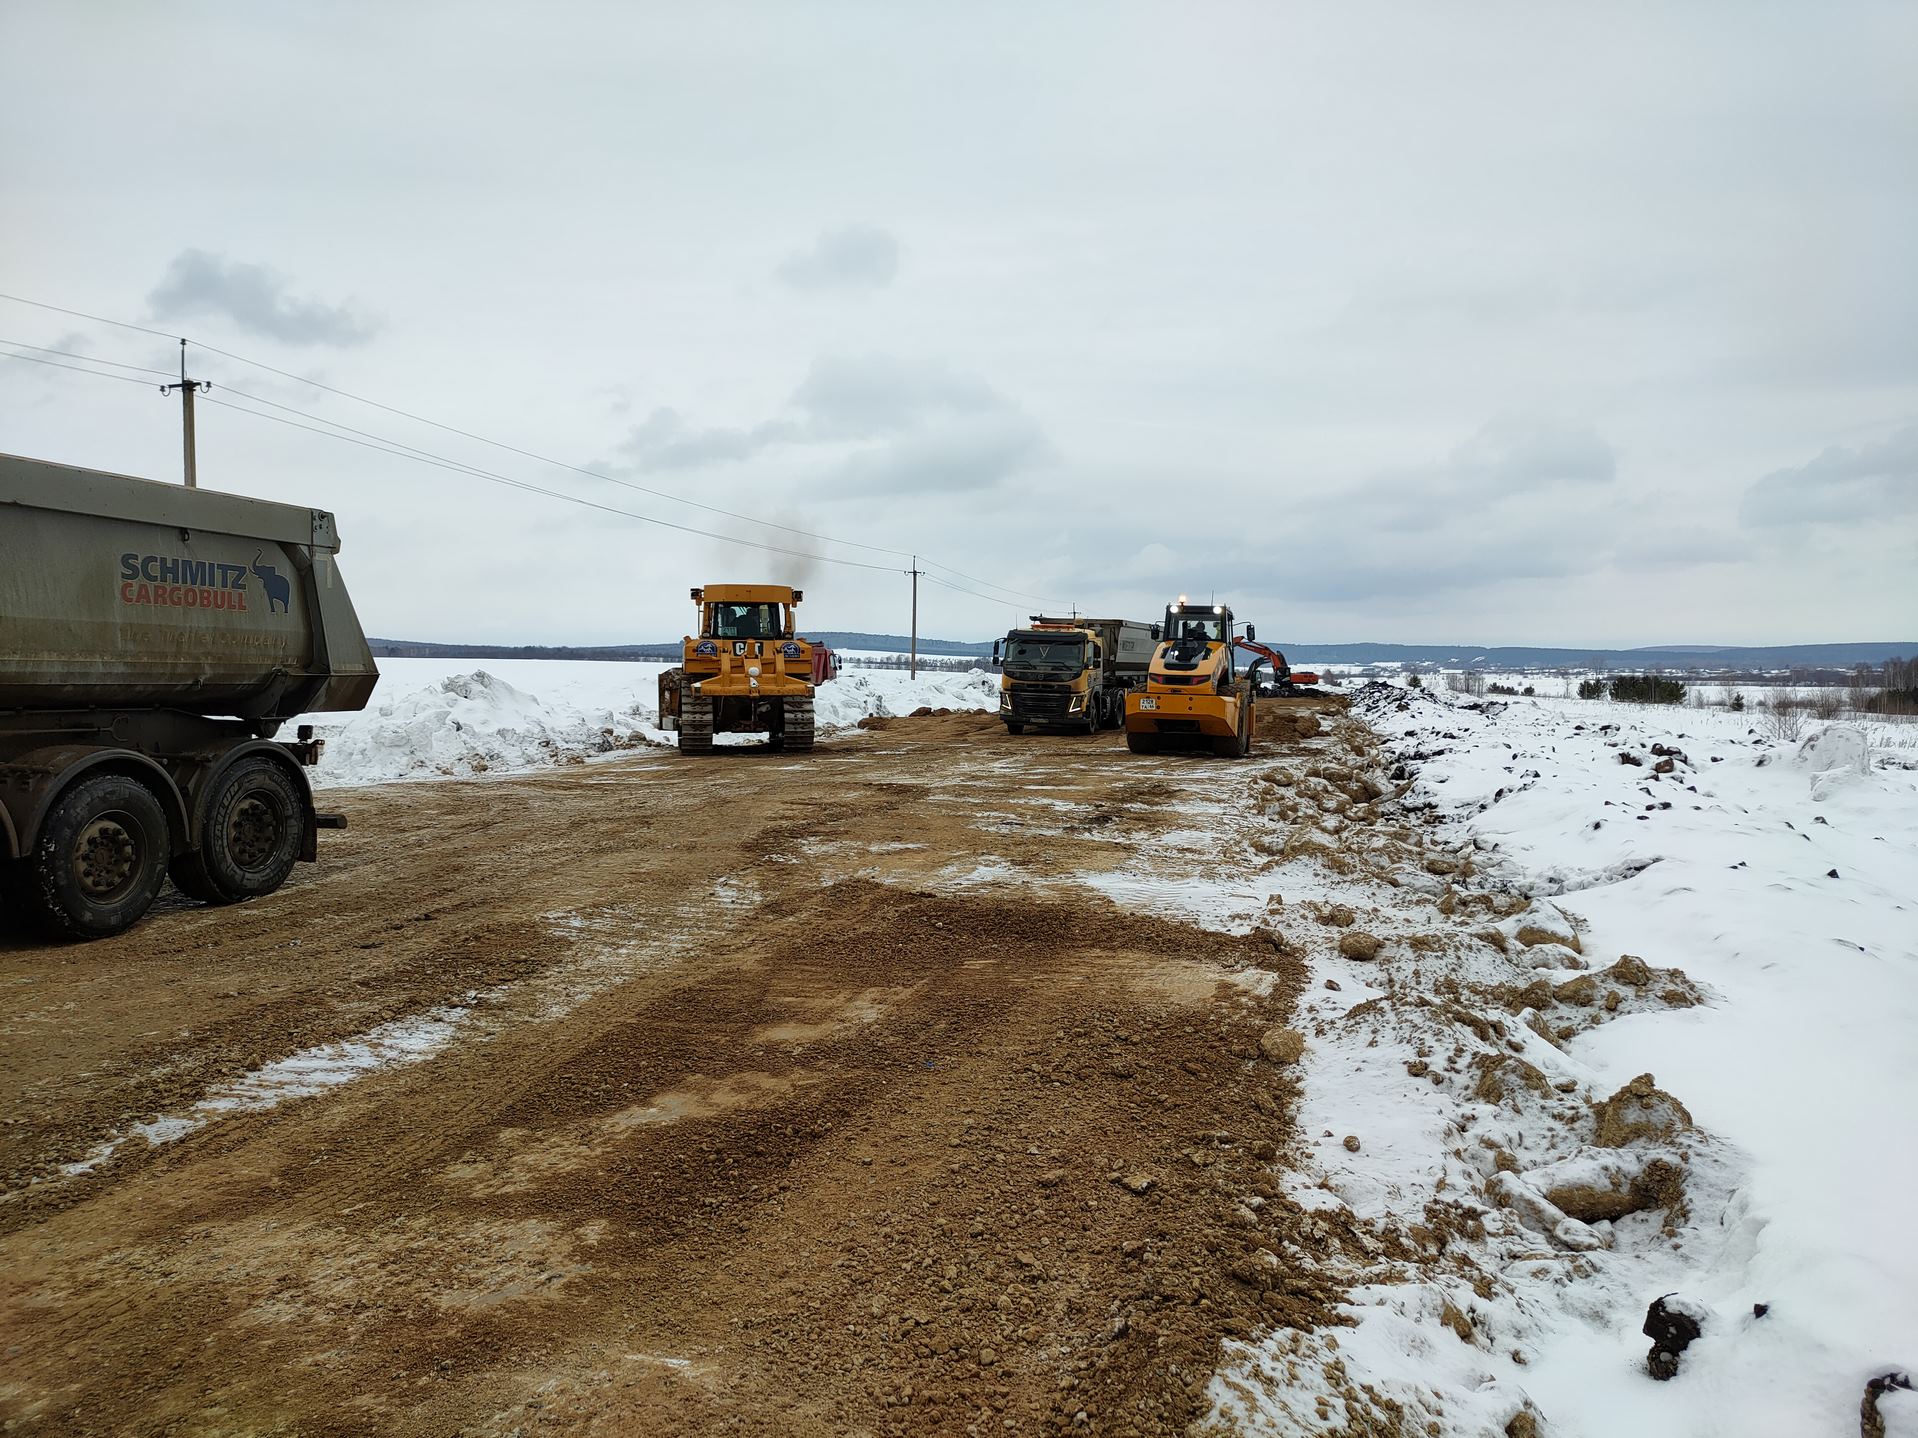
1015, 726
250, 838
100, 858
695, 724
799, 725
1248, 725
1140, 743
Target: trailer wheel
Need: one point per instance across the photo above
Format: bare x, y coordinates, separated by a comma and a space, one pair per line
99, 861
250, 838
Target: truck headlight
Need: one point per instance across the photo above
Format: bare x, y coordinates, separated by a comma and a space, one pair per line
1078, 703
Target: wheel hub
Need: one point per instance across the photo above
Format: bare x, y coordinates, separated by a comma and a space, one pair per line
251, 833
105, 857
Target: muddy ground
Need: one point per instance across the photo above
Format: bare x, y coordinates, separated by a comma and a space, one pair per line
751, 1095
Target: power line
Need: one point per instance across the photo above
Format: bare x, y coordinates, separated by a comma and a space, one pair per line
55, 364
542, 459
90, 359
987, 583
456, 466
547, 459
956, 589
83, 315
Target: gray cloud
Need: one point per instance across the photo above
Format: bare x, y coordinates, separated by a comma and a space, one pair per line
1841, 486
665, 442
956, 454
853, 257
1510, 459
198, 285
894, 425
1517, 453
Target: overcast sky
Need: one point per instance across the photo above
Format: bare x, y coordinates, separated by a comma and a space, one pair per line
1516, 323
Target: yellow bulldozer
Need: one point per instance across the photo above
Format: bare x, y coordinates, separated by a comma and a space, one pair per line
1194, 695
746, 671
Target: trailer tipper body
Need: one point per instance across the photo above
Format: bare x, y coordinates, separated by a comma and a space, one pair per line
1071, 673
153, 639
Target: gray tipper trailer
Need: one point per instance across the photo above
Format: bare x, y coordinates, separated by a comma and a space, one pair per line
153, 639
1071, 673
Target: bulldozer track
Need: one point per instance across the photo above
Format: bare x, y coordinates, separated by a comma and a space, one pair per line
695, 724
726, 1111
797, 733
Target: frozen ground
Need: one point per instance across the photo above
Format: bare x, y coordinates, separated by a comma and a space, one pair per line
1771, 892
433, 718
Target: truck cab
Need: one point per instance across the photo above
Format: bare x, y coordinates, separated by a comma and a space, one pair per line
1070, 673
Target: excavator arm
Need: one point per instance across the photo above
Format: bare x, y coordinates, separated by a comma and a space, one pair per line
1282, 674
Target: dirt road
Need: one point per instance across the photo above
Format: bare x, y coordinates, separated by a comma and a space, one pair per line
657, 1096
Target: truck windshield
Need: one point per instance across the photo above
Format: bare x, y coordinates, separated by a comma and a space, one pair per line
746, 621
1036, 657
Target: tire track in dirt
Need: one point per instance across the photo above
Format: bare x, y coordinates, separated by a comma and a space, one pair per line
825, 1141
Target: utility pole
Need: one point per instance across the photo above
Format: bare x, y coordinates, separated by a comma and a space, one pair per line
187, 388
915, 572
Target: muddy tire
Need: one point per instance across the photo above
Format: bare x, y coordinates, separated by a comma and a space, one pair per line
249, 839
695, 724
1015, 726
100, 859
798, 729
1140, 743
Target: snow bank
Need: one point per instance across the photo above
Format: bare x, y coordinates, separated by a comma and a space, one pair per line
1768, 919
438, 718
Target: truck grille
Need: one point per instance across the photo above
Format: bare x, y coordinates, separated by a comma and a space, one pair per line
1045, 703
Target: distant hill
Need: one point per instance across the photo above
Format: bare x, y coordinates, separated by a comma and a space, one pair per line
1729, 658
1663, 656
667, 649
433, 649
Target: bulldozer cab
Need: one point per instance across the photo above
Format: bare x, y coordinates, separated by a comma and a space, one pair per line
746, 611
746, 621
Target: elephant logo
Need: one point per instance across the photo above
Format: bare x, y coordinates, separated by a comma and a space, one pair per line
278, 591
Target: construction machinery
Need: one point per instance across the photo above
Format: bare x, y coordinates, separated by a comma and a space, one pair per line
746, 671
1282, 681
1071, 673
153, 640
1193, 697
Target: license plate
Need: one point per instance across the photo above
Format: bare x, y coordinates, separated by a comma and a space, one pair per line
1148, 703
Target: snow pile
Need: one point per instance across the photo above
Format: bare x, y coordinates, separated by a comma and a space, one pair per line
442, 718
1637, 1020
466, 724
885, 693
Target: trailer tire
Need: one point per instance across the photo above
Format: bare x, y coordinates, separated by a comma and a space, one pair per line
98, 862
695, 724
250, 836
